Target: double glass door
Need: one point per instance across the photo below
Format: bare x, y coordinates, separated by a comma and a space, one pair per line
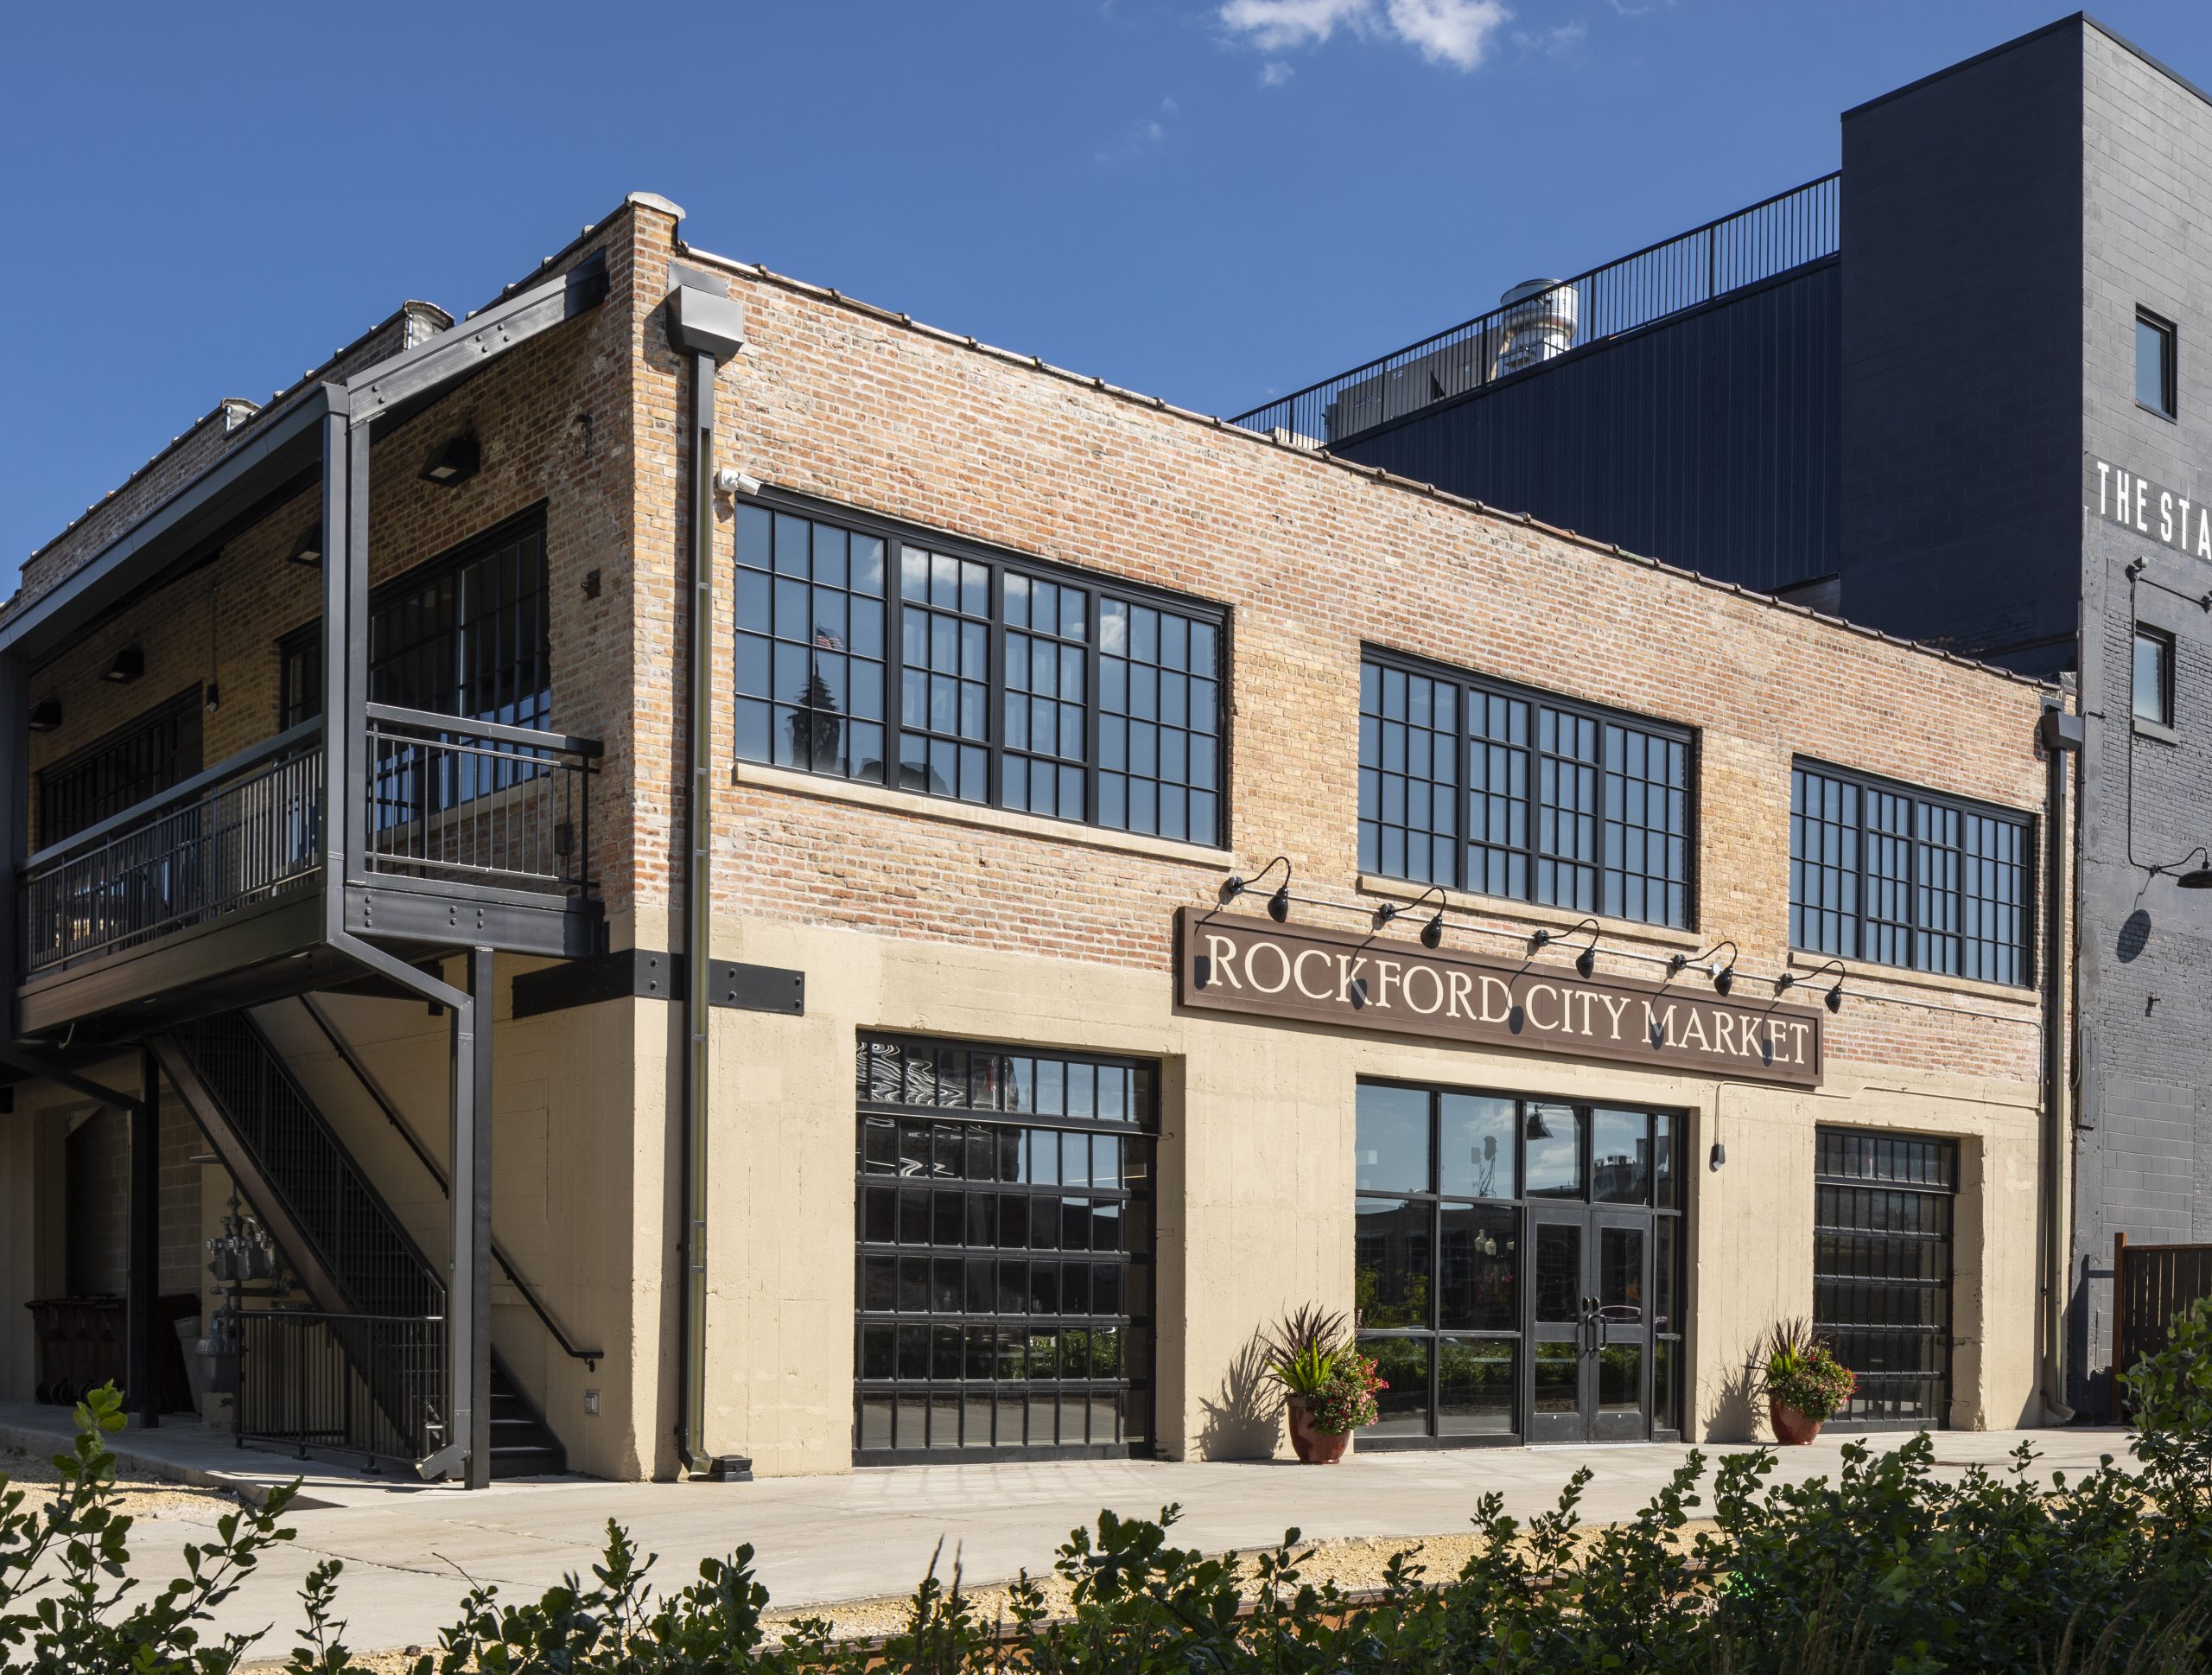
1590, 1324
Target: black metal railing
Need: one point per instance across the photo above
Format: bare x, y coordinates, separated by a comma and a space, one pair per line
1768, 238
359, 1241
370, 1384
369, 1086
236, 834
455, 799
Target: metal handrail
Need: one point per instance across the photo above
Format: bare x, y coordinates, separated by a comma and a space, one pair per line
1299, 416
182, 791
433, 722
590, 1357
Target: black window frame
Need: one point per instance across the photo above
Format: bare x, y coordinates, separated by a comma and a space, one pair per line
1913, 821
2168, 338
299, 686
1917, 1170
97, 780
1136, 1206
1432, 1198
2163, 640
1000, 563
1535, 855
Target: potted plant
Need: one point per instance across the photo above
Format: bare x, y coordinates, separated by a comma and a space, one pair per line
1328, 1387
1803, 1381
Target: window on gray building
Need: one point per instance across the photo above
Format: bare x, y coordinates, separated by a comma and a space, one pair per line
1484, 787
1884, 873
2154, 363
2154, 676
959, 673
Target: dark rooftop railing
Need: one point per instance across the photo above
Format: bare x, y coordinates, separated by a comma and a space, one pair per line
1770, 238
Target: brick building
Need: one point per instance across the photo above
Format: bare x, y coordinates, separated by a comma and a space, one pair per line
1156, 876
1954, 391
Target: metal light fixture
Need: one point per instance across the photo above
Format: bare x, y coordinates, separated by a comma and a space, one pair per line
1586, 961
2188, 877
1278, 904
45, 715
1832, 1000
308, 549
1432, 935
1724, 977
454, 461
130, 663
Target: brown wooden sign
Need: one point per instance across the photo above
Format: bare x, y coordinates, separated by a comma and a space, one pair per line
1232, 963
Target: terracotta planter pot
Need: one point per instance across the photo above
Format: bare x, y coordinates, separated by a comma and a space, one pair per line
1313, 1447
1789, 1425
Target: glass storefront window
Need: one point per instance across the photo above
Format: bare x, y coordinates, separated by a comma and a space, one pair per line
1392, 1151
1476, 1337
1476, 1154
1554, 1142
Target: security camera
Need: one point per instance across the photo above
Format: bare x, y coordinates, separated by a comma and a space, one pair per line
730, 480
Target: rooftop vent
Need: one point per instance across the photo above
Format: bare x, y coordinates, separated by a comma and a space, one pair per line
1541, 316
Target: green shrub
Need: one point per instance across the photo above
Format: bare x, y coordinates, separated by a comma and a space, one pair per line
1884, 1568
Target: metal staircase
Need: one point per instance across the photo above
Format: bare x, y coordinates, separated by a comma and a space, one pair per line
367, 1369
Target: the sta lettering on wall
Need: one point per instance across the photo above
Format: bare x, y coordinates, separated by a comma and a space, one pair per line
1229, 963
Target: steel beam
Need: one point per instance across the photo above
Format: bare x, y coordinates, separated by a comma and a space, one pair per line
468, 1290
141, 1329
15, 824
339, 746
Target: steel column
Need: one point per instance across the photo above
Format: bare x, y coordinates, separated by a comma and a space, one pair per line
15, 823
142, 1330
350, 790
468, 1291
337, 597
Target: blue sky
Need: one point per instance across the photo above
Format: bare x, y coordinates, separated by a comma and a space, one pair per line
1215, 201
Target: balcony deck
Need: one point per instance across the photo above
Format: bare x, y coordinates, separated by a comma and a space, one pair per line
214, 894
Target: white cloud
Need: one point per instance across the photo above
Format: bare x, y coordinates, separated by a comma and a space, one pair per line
1551, 41
1275, 26
1274, 73
1454, 32
1142, 135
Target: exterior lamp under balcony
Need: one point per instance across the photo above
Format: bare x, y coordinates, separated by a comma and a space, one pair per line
453, 461
130, 663
45, 715
308, 549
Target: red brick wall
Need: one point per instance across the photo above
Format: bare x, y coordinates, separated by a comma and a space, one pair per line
1312, 558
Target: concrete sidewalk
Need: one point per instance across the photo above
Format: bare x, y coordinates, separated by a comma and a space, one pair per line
408, 1551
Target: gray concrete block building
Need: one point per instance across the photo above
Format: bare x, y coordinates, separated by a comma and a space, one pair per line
1955, 391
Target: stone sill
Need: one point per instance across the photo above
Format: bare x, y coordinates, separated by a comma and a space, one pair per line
1536, 916
1869, 971
971, 814
2154, 729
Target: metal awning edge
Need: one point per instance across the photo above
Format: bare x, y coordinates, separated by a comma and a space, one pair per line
54, 614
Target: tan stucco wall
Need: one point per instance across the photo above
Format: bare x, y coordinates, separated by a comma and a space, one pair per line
1255, 1187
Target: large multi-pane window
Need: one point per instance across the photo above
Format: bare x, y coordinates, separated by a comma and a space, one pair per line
1484, 787
1882, 1206
904, 663
1443, 1294
464, 634
1902, 878
139, 759
1004, 1251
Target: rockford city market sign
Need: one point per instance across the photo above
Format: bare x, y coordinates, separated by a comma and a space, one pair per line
1229, 963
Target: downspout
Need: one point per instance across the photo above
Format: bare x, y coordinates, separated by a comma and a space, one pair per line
709, 328
2060, 735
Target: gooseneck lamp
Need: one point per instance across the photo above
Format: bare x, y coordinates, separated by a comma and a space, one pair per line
1278, 904
1431, 933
